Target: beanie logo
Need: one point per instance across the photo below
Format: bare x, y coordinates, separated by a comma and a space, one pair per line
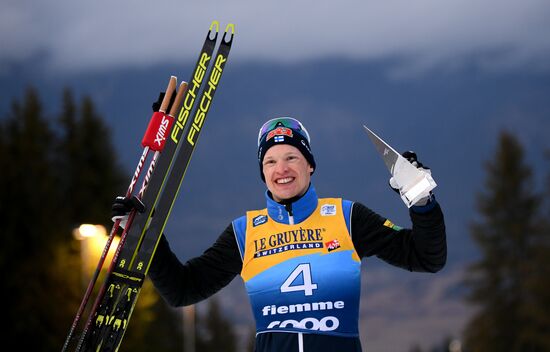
279, 131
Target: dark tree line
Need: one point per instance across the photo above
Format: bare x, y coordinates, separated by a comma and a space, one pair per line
43, 195
57, 172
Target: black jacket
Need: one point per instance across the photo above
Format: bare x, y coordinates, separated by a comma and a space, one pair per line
422, 248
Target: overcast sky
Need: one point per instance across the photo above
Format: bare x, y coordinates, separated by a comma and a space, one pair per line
421, 34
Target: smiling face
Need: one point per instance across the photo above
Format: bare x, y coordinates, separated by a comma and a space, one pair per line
287, 172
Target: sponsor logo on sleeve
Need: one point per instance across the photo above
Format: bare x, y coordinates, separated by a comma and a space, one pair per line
392, 226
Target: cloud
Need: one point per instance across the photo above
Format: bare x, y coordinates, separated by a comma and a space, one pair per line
420, 34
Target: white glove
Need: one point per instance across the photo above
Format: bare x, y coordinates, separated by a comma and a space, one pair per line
424, 197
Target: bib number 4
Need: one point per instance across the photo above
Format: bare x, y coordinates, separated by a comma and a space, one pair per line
300, 280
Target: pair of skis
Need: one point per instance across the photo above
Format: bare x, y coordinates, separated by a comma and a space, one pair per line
173, 139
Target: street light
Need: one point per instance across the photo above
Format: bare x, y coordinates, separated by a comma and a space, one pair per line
92, 242
85, 231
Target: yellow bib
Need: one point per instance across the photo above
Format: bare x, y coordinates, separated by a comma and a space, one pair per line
302, 277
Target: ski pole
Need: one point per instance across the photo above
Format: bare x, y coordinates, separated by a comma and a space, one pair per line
154, 139
164, 105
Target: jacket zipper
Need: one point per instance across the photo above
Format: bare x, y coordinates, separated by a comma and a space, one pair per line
288, 208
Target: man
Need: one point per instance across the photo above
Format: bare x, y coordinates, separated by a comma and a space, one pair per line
300, 257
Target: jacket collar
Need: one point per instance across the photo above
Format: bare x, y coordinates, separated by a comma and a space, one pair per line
300, 209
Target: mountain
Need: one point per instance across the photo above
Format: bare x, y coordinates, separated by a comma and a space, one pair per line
450, 118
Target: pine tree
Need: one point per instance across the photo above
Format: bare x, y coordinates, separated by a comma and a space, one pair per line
509, 234
537, 310
67, 152
57, 174
32, 229
29, 178
95, 174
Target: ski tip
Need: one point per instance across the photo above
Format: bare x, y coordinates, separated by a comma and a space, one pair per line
215, 24
213, 32
229, 30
